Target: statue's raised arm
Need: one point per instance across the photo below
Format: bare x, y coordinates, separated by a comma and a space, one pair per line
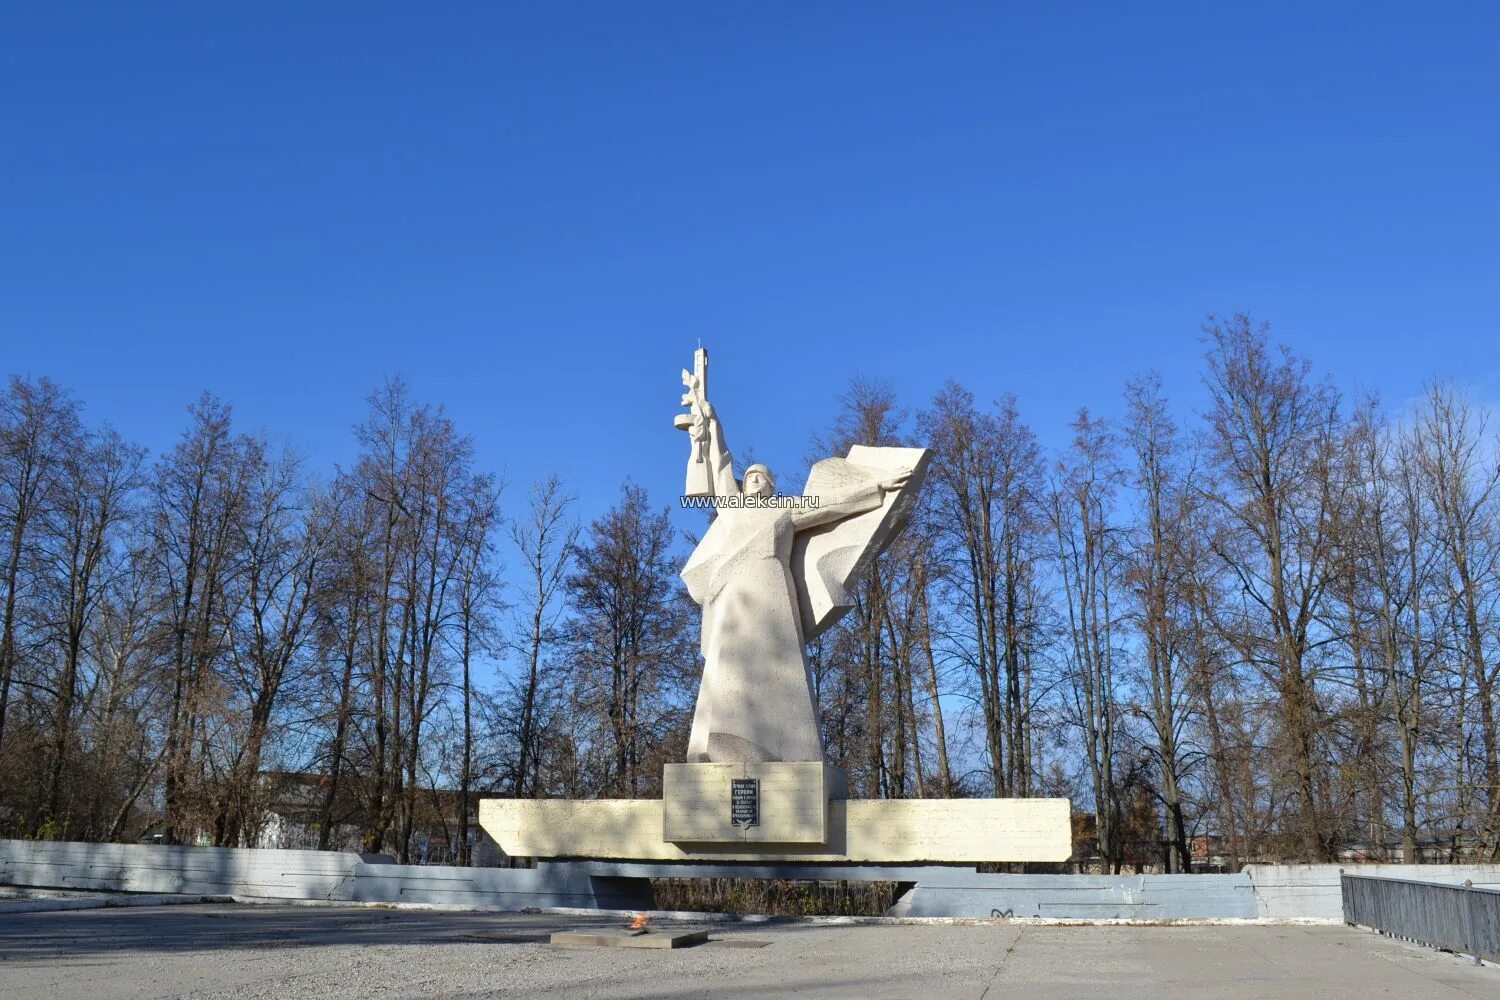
710, 466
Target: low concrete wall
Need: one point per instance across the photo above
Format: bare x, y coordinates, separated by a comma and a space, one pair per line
1296, 891
1267, 891
322, 875
1274, 891
197, 870
1097, 897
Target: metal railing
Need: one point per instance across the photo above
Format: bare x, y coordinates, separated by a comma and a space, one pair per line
1457, 918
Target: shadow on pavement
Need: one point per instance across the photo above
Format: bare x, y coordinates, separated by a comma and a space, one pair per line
213, 927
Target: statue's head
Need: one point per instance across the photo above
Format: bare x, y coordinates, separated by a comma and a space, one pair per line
759, 481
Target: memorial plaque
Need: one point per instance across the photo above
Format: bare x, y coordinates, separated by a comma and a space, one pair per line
744, 802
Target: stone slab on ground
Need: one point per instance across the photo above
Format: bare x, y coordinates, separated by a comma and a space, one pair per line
343, 953
608, 937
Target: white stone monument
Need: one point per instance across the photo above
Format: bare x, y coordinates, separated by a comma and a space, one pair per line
771, 574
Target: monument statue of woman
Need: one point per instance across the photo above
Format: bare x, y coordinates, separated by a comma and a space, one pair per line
770, 574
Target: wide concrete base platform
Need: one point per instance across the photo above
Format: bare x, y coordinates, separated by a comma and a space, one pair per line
606, 937
859, 830
342, 953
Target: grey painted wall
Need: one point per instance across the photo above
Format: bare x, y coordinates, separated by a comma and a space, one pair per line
158, 868
1275, 891
1139, 897
324, 875
1266, 891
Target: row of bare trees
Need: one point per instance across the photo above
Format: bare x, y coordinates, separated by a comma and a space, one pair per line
1273, 632
195, 644
1267, 630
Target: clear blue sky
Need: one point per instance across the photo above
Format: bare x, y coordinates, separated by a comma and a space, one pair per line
533, 212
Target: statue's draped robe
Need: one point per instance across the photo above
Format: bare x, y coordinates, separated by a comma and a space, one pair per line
756, 702
770, 579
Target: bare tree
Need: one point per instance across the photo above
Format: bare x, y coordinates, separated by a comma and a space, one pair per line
125, 752
1089, 561
546, 540
986, 480
1274, 434
1398, 563
38, 428
99, 475
631, 640
345, 598
282, 538
198, 497
478, 599
1463, 483
439, 463
871, 646
1157, 575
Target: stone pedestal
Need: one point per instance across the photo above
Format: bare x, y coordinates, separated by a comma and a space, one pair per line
790, 802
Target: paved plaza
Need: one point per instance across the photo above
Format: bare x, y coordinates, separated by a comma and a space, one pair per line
278, 951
